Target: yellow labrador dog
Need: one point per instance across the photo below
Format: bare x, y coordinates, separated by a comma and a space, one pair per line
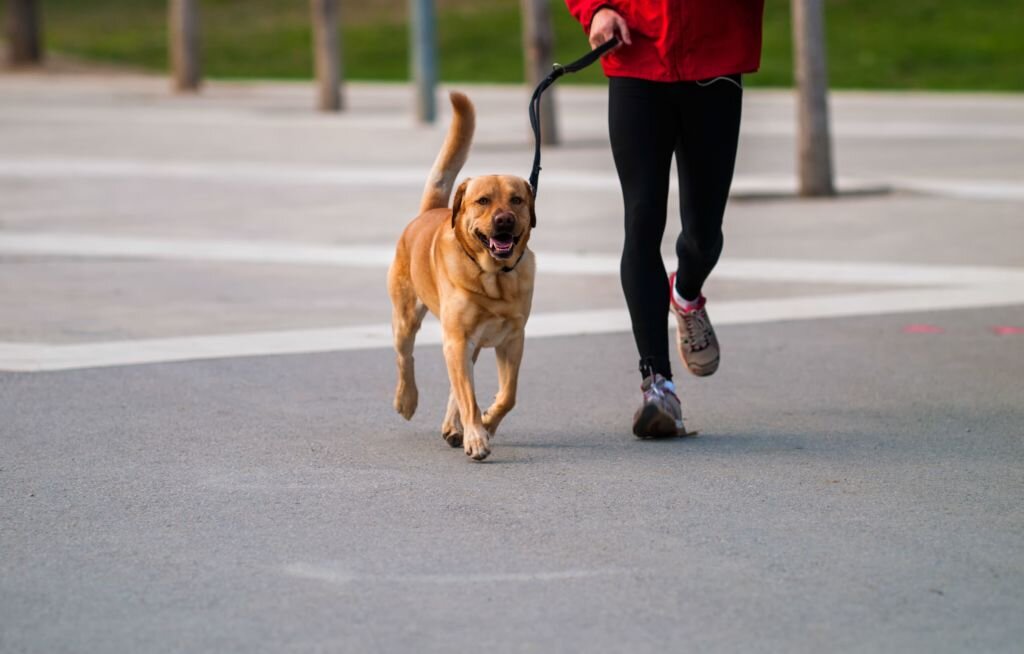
470, 266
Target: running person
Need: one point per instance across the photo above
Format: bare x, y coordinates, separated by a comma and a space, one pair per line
674, 88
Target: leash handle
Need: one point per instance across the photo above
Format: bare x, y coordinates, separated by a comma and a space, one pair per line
557, 71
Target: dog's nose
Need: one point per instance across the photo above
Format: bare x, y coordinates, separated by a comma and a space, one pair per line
504, 221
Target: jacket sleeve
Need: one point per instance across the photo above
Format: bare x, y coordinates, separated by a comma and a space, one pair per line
584, 10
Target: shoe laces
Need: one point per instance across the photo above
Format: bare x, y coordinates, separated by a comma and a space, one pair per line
657, 390
698, 329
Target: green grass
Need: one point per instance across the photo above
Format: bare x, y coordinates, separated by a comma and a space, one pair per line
918, 44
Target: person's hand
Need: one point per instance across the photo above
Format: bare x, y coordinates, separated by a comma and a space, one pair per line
607, 23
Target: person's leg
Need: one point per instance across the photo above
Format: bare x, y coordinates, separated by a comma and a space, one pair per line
643, 133
709, 124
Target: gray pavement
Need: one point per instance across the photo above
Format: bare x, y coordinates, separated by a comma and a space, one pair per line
856, 483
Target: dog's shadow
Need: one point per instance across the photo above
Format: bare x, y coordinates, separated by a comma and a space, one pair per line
549, 445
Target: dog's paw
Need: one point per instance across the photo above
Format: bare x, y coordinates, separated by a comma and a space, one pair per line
452, 437
451, 428
406, 399
476, 447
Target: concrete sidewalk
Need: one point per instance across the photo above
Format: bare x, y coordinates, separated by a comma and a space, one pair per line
197, 447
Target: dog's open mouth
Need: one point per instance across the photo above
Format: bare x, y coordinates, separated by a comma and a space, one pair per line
500, 244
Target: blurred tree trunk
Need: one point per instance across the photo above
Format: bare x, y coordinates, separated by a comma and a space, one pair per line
24, 33
183, 32
423, 58
814, 141
327, 55
539, 48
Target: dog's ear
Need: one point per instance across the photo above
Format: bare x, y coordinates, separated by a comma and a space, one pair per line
457, 202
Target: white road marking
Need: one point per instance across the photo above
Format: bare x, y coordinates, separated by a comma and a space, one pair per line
341, 577
208, 171
234, 117
915, 288
894, 129
241, 172
36, 357
557, 263
965, 189
298, 175
165, 249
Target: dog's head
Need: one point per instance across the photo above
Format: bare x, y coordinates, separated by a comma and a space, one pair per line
494, 213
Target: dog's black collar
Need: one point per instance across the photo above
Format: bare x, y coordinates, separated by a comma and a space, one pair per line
505, 269
513, 266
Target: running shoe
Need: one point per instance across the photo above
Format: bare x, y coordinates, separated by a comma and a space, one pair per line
660, 415
695, 337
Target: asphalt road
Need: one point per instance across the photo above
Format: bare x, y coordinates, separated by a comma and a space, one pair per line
198, 453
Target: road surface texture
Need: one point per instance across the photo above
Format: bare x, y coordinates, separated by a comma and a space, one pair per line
198, 451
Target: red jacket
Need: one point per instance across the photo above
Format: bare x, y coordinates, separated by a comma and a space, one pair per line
681, 40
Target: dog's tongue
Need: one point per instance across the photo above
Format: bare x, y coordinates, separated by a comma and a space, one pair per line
501, 244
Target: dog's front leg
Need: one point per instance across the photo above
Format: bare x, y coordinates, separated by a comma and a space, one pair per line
509, 355
405, 322
458, 354
451, 426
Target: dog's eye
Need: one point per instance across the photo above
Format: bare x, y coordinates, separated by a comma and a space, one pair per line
483, 202
516, 199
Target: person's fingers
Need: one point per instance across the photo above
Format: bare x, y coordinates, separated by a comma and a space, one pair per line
624, 31
599, 36
607, 26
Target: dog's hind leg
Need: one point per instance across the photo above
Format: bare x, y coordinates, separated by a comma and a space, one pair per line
406, 317
451, 427
509, 356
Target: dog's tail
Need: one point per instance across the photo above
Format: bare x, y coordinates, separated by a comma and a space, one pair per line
452, 156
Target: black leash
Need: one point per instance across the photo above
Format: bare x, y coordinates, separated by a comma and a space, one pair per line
557, 71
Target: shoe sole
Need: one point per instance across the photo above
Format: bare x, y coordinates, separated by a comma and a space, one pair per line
652, 423
699, 370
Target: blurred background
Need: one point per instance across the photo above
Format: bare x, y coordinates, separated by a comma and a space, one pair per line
873, 44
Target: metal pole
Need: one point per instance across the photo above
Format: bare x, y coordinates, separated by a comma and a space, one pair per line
814, 142
538, 48
24, 33
423, 58
327, 54
183, 19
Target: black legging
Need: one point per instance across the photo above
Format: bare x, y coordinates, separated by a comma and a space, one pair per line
648, 122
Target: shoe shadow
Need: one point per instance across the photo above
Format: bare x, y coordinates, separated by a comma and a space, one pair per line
712, 442
707, 443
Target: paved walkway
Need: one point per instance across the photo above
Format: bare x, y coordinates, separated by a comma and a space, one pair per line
198, 451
